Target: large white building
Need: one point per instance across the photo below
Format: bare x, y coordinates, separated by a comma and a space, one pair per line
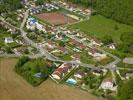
107, 85
9, 40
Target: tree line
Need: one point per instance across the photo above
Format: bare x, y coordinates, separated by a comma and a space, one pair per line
9, 5
119, 10
125, 90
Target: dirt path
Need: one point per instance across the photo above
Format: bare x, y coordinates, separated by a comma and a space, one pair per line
14, 87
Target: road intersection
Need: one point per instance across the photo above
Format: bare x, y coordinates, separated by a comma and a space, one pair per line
42, 52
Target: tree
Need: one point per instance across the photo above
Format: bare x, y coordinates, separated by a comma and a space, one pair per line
126, 45
119, 10
8, 50
39, 2
116, 27
10, 5
107, 39
61, 43
26, 51
125, 91
127, 37
22, 61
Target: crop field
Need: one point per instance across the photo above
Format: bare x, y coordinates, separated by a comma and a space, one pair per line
14, 87
54, 18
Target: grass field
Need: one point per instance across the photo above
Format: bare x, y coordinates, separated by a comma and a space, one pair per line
99, 26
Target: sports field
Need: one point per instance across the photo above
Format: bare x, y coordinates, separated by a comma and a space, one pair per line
99, 26
54, 18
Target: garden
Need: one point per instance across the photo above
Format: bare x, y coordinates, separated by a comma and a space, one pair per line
35, 71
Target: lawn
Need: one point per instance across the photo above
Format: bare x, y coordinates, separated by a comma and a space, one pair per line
28, 68
98, 26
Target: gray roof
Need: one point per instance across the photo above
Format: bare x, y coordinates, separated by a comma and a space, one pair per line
128, 60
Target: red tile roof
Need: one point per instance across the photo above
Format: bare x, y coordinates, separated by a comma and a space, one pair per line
77, 56
63, 49
74, 42
81, 46
62, 69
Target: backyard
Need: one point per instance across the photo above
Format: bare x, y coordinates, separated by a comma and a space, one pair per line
35, 71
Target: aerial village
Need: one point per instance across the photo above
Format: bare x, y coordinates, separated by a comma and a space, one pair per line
77, 57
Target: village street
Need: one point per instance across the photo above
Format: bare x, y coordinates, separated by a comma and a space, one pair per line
49, 56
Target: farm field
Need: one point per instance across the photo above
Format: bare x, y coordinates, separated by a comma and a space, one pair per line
98, 26
54, 18
14, 87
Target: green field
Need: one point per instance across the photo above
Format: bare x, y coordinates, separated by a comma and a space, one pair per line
98, 26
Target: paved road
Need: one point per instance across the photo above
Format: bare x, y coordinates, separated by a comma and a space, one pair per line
108, 66
8, 23
16, 55
98, 49
42, 51
9, 55
54, 58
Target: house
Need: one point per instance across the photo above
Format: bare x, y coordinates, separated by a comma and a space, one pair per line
73, 42
97, 72
19, 50
79, 74
107, 85
80, 34
49, 44
32, 23
40, 27
2, 50
25, 1
76, 56
11, 30
128, 60
91, 52
62, 49
112, 46
39, 75
81, 46
9, 40
97, 56
87, 11
58, 37
94, 43
129, 75
59, 72
76, 50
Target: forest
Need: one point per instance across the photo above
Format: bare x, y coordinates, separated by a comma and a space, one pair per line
119, 10
9, 5
125, 90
